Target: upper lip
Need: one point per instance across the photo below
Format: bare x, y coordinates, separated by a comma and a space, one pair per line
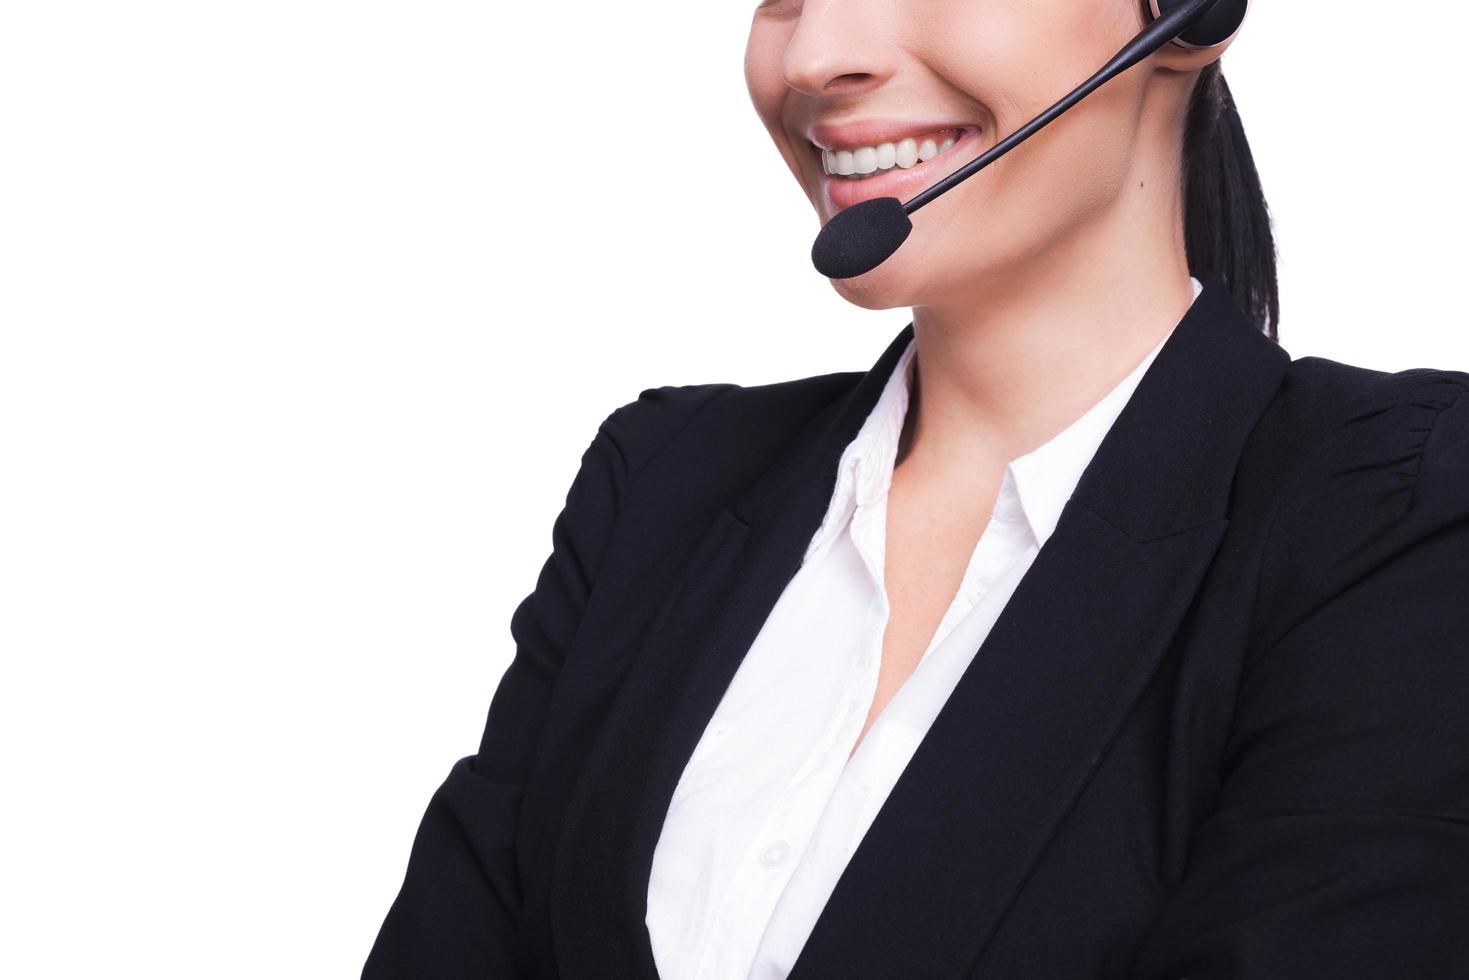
872, 132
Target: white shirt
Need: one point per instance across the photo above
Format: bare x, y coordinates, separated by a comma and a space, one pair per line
769, 809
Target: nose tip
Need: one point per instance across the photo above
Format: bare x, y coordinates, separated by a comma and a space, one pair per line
836, 50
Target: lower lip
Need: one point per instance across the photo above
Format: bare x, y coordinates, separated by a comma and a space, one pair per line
843, 192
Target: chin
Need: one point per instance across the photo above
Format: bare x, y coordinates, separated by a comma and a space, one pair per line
866, 296
888, 287
911, 276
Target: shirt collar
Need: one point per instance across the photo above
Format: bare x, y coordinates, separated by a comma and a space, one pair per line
1036, 485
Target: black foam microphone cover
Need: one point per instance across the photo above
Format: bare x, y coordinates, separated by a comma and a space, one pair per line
860, 238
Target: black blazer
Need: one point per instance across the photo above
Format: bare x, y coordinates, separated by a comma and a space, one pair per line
1220, 730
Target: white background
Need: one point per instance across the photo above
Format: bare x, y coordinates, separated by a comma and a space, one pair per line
309, 309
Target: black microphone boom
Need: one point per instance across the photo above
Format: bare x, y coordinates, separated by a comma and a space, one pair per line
860, 238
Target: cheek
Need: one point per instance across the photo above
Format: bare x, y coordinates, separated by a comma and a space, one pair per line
1042, 192
763, 75
1013, 73
1023, 55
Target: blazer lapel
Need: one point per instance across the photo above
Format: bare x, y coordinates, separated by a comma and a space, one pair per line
694, 645
1069, 655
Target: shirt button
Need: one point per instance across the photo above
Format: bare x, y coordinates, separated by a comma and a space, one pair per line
775, 854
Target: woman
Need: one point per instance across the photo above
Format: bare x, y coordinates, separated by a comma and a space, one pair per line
1085, 634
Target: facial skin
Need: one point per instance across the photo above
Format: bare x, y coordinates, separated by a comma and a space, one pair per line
1041, 281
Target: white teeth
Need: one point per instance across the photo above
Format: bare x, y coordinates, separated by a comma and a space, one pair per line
868, 160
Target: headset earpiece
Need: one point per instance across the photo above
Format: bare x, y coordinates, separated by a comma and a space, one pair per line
1216, 26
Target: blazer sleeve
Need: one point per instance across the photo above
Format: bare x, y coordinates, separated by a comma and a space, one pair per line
456, 912
1339, 846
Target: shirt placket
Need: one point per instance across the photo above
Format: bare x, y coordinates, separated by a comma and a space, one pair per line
774, 853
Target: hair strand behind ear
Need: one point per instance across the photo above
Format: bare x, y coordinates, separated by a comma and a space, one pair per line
1227, 227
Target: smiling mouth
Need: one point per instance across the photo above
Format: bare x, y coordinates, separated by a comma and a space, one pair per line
864, 162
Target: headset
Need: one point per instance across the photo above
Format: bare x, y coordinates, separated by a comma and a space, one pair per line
1216, 24
860, 238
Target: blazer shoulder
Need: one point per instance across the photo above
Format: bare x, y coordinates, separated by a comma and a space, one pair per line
1324, 382
1344, 420
733, 422
1375, 463
639, 429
